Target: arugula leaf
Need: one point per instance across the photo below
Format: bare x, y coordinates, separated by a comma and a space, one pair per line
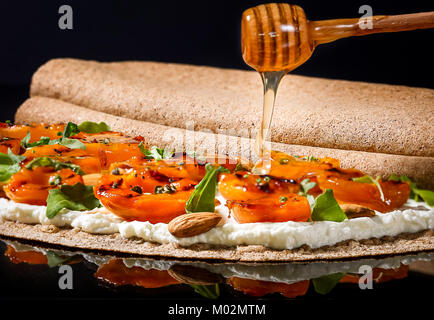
9, 165
370, 180
69, 143
394, 177
25, 140
41, 142
239, 167
203, 197
426, 195
70, 130
57, 165
54, 260
326, 208
26, 144
325, 284
77, 197
155, 152
305, 186
93, 127
210, 291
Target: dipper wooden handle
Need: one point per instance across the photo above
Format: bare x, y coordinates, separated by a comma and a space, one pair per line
277, 36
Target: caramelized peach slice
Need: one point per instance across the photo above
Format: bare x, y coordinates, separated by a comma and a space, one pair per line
33, 186
290, 207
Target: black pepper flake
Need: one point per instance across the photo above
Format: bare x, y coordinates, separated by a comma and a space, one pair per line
116, 184
265, 187
164, 189
137, 189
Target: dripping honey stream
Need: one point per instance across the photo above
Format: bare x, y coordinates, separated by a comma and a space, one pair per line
276, 38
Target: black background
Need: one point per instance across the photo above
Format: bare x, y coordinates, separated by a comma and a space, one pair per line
196, 32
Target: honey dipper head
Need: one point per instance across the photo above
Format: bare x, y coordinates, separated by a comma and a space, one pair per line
275, 37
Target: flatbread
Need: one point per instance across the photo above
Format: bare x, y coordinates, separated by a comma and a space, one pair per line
389, 126
309, 111
74, 238
41, 109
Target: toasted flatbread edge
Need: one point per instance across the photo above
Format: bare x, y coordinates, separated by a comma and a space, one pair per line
351, 249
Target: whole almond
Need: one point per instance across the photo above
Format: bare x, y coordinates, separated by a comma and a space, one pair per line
192, 224
356, 211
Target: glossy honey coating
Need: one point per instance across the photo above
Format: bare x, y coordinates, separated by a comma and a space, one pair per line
137, 188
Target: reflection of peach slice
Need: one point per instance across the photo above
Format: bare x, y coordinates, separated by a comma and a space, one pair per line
379, 275
30, 257
260, 288
117, 273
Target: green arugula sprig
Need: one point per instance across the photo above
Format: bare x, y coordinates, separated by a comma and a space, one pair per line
155, 153
93, 127
324, 207
26, 144
209, 291
9, 165
371, 180
416, 193
70, 130
305, 186
325, 284
77, 197
55, 260
203, 197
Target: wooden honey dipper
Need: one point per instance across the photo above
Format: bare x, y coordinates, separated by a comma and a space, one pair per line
278, 37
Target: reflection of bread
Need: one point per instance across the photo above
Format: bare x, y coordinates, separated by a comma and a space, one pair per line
309, 111
402, 244
40, 109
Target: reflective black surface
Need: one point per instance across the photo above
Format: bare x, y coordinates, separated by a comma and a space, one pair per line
105, 277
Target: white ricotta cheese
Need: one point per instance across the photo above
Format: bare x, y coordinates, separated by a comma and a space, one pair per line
413, 217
